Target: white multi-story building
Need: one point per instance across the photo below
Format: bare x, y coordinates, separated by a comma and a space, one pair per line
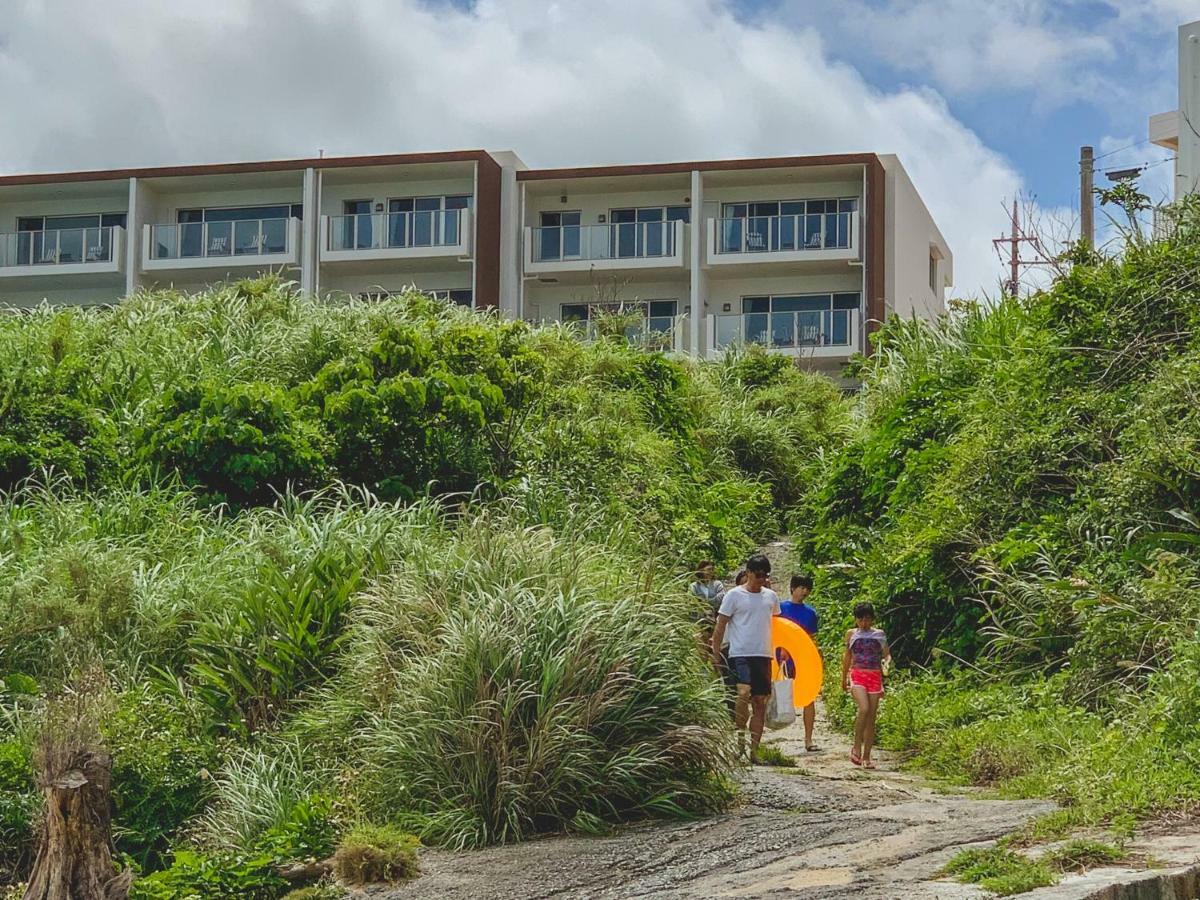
1179, 129
802, 254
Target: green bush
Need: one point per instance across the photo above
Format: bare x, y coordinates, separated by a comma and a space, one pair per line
278, 637
18, 803
199, 876
161, 755
237, 443
528, 686
374, 853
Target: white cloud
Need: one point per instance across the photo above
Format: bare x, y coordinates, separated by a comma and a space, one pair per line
568, 82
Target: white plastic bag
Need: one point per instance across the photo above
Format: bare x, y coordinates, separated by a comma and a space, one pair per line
781, 710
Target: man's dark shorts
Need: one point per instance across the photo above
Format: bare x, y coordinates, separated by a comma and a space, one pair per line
754, 671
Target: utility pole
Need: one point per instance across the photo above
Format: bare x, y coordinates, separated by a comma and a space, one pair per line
1014, 241
1087, 222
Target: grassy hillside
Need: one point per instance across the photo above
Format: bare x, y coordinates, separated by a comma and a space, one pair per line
1022, 499
322, 568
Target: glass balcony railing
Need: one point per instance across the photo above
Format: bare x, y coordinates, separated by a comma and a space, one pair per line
57, 247
202, 240
618, 240
772, 234
786, 330
381, 231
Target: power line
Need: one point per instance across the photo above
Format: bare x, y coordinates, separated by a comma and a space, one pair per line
1120, 149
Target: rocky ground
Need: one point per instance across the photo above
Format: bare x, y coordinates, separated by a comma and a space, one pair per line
824, 830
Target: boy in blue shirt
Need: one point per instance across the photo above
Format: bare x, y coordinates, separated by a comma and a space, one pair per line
802, 613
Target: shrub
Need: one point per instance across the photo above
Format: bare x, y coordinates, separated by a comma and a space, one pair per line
278, 636
199, 876
374, 853
161, 756
239, 443
531, 686
19, 802
266, 790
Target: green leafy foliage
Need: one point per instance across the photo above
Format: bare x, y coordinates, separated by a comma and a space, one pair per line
161, 758
199, 876
240, 443
277, 638
18, 803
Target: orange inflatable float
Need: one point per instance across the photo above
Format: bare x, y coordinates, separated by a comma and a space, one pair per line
786, 635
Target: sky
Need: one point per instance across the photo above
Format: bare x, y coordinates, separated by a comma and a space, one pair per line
983, 101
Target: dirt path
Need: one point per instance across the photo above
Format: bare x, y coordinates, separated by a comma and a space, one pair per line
825, 830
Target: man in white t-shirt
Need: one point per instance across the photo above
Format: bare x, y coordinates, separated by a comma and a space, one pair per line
745, 614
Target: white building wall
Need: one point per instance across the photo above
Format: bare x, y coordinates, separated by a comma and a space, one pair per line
115, 201
164, 205
594, 205
731, 290
793, 189
334, 196
1187, 171
912, 236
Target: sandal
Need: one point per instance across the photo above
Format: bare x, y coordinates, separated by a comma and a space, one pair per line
868, 764
812, 748
855, 759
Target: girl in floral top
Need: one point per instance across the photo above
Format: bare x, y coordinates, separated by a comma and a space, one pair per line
862, 677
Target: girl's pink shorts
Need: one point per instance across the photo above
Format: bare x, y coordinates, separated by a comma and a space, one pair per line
869, 680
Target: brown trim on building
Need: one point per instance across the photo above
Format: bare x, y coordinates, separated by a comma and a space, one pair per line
713, 165
875, 257
487, 233
278, 165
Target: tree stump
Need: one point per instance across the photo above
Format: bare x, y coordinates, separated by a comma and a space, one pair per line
74, 856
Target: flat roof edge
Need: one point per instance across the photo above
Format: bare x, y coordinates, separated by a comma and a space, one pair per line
276, 165
712, 165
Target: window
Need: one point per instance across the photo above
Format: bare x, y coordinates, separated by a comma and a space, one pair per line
799, 320
66, 239
426, 221
241, 213
774, 225
458, 296
658, 313
933, 267
644, 231
228, 231
357, 228
558, 237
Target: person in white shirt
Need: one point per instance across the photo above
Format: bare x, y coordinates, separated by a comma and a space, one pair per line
745, 614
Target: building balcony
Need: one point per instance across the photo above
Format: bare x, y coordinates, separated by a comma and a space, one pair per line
828, 334
32, 255
424, 236
248, 243
820, 237
616, 247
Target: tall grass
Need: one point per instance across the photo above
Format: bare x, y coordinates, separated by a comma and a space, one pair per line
525, 681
